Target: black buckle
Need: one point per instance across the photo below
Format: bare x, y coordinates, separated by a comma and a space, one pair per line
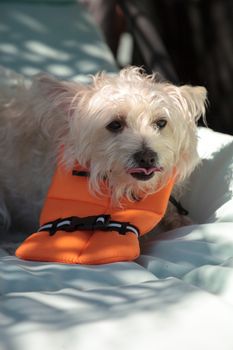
53, 229
123, 229
88, 223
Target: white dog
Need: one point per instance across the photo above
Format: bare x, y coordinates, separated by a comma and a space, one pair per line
130, 129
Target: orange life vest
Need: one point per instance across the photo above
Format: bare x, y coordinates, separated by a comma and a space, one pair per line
81, 228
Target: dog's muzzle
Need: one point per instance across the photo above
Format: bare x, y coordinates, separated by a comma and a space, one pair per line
146, 162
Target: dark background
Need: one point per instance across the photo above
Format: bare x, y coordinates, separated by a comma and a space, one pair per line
187, 41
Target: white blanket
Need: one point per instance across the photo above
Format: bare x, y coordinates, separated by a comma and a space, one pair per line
177, 295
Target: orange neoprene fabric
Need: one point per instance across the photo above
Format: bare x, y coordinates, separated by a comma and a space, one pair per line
69, 196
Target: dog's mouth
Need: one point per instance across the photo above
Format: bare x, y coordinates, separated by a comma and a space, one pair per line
144, 174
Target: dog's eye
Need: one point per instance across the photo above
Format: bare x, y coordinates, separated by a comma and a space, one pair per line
160, 123
115, 126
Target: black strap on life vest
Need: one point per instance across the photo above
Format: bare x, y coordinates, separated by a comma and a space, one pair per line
80, 173
88, 223
181, 210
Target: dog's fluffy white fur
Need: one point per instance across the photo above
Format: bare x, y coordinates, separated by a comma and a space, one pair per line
39, 119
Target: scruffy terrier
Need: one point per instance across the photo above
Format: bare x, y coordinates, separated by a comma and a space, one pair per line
130, 129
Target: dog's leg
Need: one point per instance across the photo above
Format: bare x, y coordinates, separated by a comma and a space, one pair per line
173, 219
176, 216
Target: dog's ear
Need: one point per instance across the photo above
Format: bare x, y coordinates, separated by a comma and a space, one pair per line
62, 94
196, 100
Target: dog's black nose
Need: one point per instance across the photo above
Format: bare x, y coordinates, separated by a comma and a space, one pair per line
146, 158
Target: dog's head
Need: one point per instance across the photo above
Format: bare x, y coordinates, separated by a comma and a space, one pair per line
130, 129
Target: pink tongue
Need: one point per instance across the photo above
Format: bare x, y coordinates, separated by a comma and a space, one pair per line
144, 170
